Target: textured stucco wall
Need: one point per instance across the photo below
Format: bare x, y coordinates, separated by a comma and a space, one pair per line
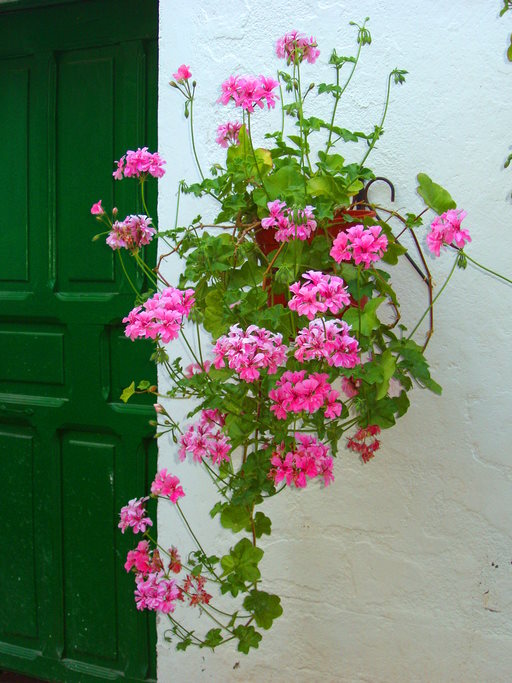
402, 570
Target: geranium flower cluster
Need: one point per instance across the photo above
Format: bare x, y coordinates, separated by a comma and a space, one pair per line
327, 340
360, 245
139, 163
142, 559
359, 444
250, 351
227, 133
310, 459
296, 392
168, 486
156, 592
320, 294
249, 92
289, 224
193, 586
133, 516
161, 316
446, 230
132, 233
205, 439
295, 47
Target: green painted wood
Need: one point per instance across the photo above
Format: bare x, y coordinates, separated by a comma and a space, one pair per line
78, 88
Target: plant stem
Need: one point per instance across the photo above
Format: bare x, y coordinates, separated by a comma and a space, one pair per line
378, 130
192, 135
435, 298
126, 273
338, 96
488, 270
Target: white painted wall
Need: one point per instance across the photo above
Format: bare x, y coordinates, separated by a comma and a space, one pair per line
402, 570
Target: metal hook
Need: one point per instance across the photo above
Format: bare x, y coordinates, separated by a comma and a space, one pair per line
374, 180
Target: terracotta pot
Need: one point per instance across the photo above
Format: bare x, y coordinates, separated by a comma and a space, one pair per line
267, 243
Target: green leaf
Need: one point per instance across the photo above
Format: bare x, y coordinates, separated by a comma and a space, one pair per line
212, 638
262, 525
235, 517
247, 637
388, 363
264, 606
243, 561
369, 319
128, 392
434, 196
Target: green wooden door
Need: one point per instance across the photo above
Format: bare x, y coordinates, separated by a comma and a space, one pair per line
77, 88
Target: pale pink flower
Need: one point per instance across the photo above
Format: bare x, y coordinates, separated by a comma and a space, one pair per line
97, 209
168, 486
196, 369
295, 47
290, 224
227, 133
134, 515
327, 340
132, 233
183, 74
249, 352
350, 386
206, 439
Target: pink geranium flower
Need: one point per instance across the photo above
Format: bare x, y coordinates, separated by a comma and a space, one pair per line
360, 245
227, 133
168, 486
139, 163
249, 92
183, 74
446, 230
97, 209
308, 460
320, 293
134, 515
295, 47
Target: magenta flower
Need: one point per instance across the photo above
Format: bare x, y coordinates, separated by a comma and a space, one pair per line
140, 559
446, 230
360, 245
295, 47
320, 294
156, 592
167, 486
139, 163
134, 515
249, 92
183, 74
310, 459
227, 133
132, 233
249, 352
161, 316
297, 392
97, 209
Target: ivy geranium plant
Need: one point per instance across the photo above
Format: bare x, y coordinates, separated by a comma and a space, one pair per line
291, 284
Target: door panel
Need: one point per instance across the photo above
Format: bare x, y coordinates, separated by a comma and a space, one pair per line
78, 88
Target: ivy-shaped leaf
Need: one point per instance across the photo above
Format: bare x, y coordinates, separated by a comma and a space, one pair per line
264, 606
434, 196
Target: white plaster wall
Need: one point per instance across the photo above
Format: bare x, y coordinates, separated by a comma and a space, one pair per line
401, 571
